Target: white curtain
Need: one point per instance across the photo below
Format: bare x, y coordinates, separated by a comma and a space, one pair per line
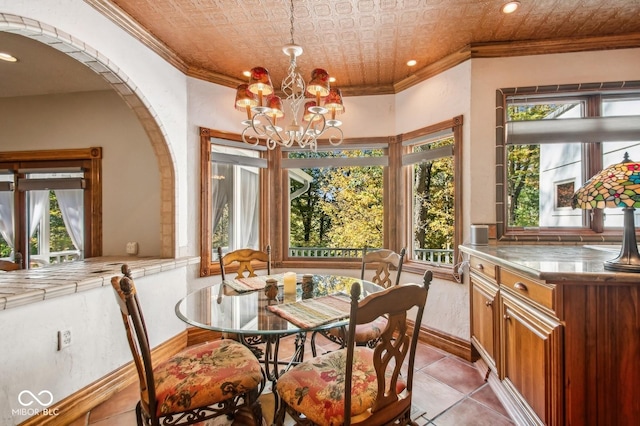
71, 202
221, 187
249, 209
37, 202
6, 217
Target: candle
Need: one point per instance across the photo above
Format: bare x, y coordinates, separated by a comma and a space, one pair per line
290, 283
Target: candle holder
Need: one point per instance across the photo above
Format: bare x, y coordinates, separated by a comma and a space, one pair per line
271, 289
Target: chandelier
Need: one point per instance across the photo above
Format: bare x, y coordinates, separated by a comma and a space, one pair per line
321, 103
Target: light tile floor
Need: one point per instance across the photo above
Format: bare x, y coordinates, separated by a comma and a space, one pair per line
448, 390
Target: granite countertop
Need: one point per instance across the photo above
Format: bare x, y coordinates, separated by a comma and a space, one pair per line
556, 263
26, 286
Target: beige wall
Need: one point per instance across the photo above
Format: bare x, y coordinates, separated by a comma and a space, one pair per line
131, 180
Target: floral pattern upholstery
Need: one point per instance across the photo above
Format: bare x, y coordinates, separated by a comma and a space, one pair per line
316, 387
364, 332
205, 374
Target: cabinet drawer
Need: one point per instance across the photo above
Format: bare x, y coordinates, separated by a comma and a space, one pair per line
538, 292
483, 267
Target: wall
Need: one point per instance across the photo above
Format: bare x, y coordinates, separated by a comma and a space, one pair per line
488, 75
83, 120
29, 359
160, 87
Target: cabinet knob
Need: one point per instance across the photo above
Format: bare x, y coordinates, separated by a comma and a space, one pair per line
506, 316
520, 286
488, 303
480, 266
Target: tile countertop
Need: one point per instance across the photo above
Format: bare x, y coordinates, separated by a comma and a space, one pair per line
556, 263
26, 286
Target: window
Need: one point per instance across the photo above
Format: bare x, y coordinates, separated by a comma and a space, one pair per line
231, 196
553, 141
326, 206
336, 204
432, 158
47, 205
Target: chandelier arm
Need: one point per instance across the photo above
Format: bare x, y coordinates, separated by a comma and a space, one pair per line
250, 139
334, 139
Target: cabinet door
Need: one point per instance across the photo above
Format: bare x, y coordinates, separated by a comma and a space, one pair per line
483, 319
531, 359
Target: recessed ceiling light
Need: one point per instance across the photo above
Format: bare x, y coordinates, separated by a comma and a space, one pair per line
7, 57
246, 73
411, 63
332, 79
510, 7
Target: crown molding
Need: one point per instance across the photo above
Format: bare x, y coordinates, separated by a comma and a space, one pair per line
470, 51
127, 23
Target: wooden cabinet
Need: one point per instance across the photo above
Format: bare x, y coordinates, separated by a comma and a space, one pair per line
530, 353
558, 348
484, 308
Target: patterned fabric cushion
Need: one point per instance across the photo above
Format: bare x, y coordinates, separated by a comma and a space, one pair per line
365, 332
316, 387
205, 374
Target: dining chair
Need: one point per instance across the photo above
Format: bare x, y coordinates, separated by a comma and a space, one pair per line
198, 383
382, 261
358, 385
243, 259
7, 265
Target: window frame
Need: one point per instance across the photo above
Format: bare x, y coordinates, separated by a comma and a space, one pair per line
274, 200
207, 265
593, 224
287, 164
87, 159
453, 125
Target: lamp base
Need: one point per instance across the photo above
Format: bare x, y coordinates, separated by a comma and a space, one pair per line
628, 260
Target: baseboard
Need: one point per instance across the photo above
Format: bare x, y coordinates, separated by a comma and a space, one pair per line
447, 342
76, 405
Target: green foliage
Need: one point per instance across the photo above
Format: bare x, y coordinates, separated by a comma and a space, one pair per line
342, 207
433, 192
523, 170
59, 239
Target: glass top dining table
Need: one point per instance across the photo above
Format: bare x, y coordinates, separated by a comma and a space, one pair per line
223, 307
248, 314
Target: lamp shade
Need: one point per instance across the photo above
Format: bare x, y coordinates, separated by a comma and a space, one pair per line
260, 82
275, 106
319, 84
333, 102
244, 98
616, 186
308, 114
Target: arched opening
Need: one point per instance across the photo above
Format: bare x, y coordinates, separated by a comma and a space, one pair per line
112, 78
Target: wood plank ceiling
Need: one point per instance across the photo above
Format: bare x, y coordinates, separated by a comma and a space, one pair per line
365, 44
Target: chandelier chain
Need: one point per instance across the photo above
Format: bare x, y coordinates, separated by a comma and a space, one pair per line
291, 19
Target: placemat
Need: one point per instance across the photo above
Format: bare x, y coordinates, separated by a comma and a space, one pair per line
242, 285
311, 313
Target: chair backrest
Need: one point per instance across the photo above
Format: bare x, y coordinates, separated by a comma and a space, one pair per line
244, 257
383, 260
137, 336
7, 265
396, 346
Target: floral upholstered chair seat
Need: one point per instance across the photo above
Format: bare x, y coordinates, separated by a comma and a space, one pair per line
184, 381
316, 387
369, 332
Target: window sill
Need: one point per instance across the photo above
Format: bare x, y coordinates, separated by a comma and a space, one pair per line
18, 288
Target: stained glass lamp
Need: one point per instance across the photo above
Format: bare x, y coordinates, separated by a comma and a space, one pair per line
616, 186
